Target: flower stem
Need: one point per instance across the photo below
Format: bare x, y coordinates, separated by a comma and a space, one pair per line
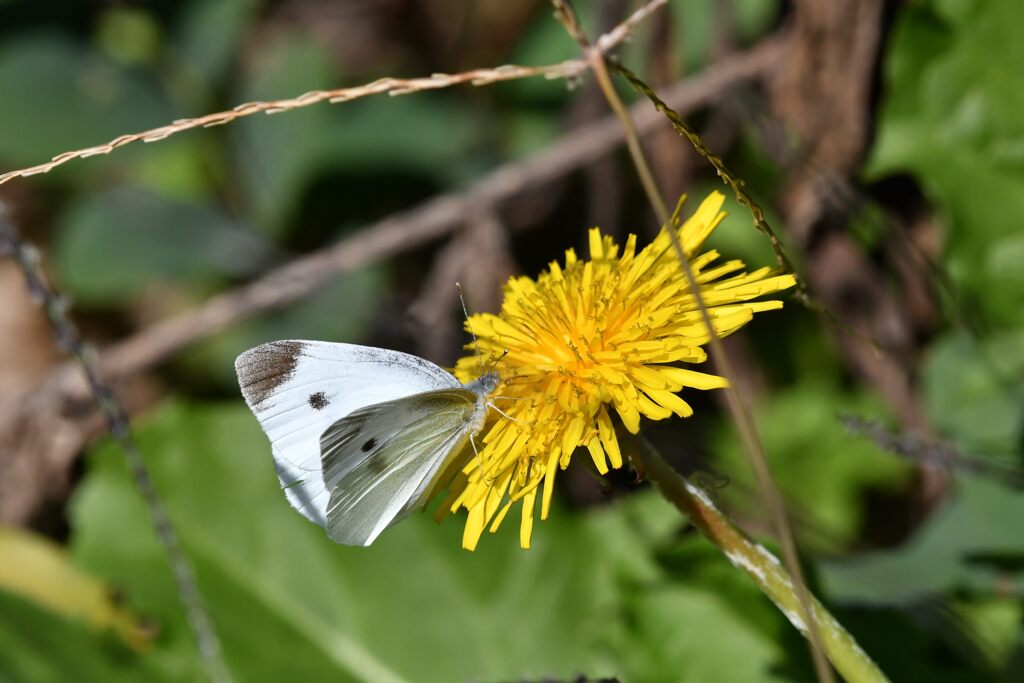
768, 573
739, 410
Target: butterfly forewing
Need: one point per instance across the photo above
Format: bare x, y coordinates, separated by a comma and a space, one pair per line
382, 462
297, 389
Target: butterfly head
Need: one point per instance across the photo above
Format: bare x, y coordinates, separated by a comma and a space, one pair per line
485, 384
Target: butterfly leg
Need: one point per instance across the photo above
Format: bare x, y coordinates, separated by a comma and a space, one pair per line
504, 414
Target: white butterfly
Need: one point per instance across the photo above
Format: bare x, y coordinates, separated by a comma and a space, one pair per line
361, 436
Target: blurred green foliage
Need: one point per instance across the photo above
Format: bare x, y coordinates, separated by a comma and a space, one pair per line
622, 589
146, 239
290, 604
53, 75
952, 118
823, 470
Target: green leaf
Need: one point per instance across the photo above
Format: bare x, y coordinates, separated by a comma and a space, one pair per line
951, 116
60, 97
39, 646
992, 627
974, 394
544, 42
413, 607
186, 168
695, 31
276, 155
279, 156
735, 236
709, 623
905, 645
209, 33
290, 604
961, 546
128, 35
111, 245
823, 471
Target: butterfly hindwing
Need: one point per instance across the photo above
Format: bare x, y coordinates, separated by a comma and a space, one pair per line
382, 462
297, 389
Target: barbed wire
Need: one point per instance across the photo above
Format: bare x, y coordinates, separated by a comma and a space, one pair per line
55, 305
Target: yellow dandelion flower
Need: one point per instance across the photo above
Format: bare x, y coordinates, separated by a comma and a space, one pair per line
588, 340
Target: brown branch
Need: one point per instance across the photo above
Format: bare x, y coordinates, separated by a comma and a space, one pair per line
393, 86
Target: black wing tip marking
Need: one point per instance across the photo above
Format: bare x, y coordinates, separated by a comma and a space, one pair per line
262, 369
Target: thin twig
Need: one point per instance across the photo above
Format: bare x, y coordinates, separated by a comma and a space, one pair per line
419, 225
745, 199
393, 86
737, 407
740, 412
931, 453
735, 183
844, 652
55, 306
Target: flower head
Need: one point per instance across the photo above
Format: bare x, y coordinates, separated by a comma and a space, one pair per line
588, 341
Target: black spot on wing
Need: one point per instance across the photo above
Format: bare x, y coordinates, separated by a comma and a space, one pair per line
318, 401
368, 446
263, 369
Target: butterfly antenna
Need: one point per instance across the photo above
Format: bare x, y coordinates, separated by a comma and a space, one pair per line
469, 326
494, 363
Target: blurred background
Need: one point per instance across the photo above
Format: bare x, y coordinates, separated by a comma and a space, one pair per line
884, 139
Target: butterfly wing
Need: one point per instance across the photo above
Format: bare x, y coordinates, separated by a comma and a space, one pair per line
297, 389
383, 462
